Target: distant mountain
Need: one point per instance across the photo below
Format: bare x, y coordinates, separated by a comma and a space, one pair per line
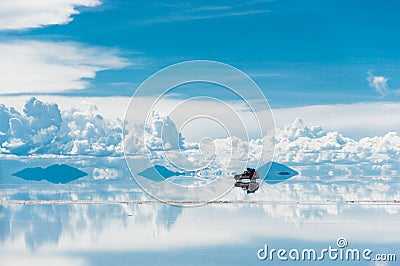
273, 172
158, 173
57, 174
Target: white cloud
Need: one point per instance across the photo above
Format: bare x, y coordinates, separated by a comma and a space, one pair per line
353, 120
43, 129
379, 83
40, 129
296, 143
39, 66
23, 14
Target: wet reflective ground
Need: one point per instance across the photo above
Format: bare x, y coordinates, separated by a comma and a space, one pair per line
57, 224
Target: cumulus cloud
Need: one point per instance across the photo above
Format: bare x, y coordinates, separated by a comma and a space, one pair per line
42, 128
312, 145
22, 14
353, 120
162, 133
42, 66
297, 143
28, 132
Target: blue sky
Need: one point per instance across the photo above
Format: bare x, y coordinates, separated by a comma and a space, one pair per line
299, 52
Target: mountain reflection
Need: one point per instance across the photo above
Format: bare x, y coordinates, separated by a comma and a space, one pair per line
57, 174
318, 197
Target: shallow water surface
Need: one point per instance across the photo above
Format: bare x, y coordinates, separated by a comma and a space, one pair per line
106, 219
